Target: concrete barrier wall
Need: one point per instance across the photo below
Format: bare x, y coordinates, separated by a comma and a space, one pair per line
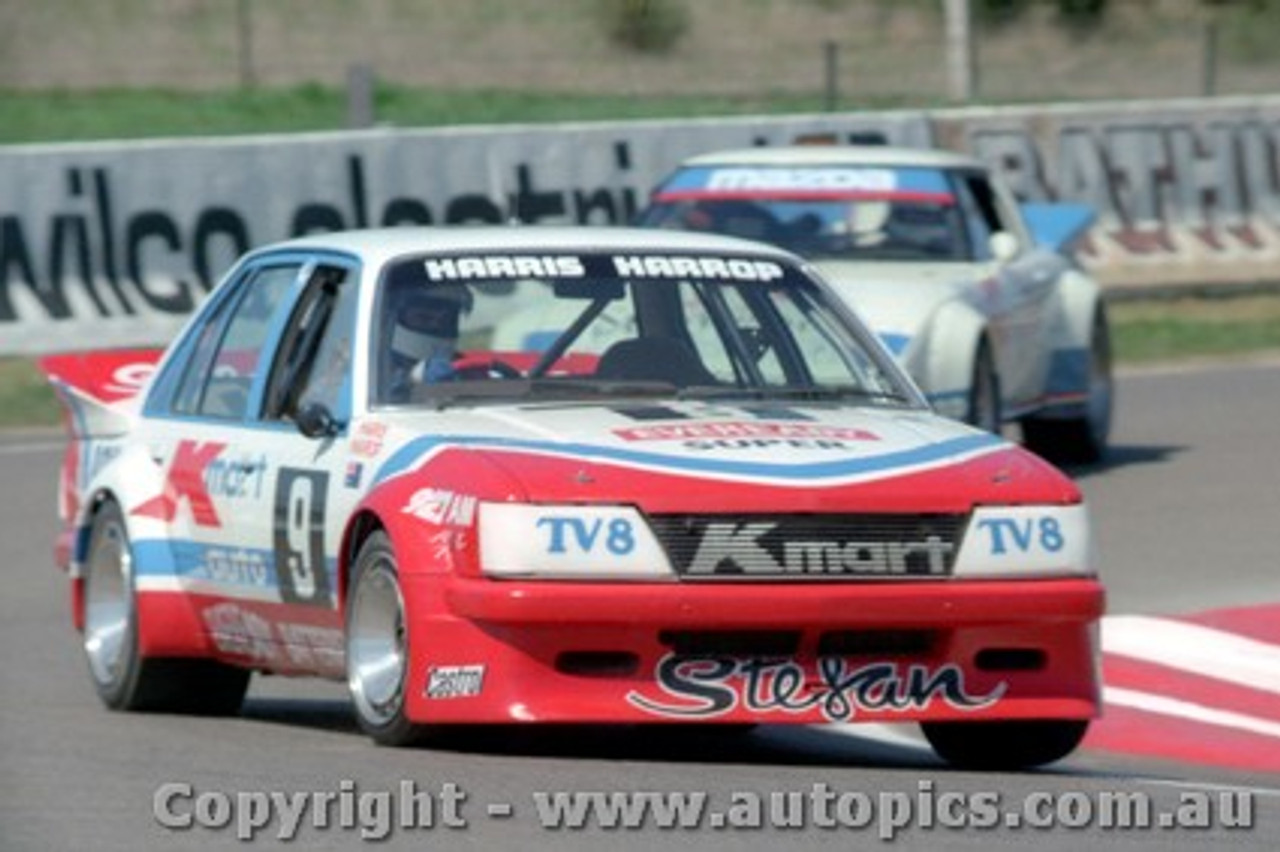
113, 244
1187, 192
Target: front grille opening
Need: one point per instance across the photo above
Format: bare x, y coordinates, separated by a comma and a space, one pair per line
745, 643
887, 643
808, 547
597, 663
1011, 659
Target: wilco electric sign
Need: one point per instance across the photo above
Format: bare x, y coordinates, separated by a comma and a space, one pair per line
154, 259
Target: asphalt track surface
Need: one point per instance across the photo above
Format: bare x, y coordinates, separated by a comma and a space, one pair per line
1187, 511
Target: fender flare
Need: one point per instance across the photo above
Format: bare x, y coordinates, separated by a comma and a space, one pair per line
1071, 338
130, 480
943, 366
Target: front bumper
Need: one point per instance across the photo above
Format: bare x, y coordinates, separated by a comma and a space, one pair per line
753, 652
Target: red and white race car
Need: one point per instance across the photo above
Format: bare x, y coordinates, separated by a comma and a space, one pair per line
698, 491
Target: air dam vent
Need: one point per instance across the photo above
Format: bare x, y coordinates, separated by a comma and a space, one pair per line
732, 643
1010, 660
597, 663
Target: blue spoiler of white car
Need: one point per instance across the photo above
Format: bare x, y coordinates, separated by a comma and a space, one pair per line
1058, 225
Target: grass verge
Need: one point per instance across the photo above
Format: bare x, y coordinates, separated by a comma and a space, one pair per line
1142, 331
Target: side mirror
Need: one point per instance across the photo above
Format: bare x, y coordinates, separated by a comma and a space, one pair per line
1004, 246
315, 420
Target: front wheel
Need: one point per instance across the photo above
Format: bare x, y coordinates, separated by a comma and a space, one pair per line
123, 678
1019, 744
377, 639
1081, 439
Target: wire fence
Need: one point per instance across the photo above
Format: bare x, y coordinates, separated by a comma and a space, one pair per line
849, 53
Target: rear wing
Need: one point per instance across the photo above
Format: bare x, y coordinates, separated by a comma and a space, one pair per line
100, 391
1058, 225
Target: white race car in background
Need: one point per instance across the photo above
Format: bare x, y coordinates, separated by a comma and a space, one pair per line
977, 296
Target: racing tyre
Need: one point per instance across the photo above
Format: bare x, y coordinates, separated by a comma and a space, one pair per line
377, 644
983, 409
1004, 745
123, 678
1083, 439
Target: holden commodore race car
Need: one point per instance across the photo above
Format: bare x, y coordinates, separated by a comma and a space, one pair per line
709, 496
978, 296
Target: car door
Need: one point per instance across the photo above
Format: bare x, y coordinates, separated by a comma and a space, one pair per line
248, 498
1017, 291
215, 481
312, 484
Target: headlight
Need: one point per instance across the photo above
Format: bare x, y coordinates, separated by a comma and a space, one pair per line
569, 542
1026, 541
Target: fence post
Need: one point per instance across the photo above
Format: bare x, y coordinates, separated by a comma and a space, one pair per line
244, 43
960, 71
831, 76
1209, 58
360, 96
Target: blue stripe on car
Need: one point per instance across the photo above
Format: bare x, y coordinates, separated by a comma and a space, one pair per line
404, 458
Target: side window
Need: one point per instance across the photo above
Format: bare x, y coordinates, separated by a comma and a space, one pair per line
313, 364
227, 354
981, 213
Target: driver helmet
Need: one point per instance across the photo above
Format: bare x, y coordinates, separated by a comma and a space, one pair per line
427, 319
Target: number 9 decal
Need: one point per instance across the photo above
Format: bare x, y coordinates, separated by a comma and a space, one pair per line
299, 536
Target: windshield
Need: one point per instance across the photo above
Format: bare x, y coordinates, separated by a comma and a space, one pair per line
820, 212
581, 326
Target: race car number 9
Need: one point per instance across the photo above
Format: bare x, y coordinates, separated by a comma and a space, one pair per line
299, 536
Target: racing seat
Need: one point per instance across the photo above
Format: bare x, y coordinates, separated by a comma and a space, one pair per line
654, 359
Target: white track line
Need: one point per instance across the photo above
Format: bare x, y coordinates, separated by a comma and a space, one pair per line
1193, 648
1165, 706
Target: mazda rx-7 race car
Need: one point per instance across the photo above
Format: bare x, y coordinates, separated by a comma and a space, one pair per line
708, 496
979, 297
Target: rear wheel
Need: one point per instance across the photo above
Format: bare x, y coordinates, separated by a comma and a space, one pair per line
1004, 745
983, 409
377, 639
123, 678
1081, 439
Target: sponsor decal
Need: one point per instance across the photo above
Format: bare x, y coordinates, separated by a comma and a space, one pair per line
197, 474
664, 266
234, 567
355, 472
99, 457
1023, 535
454, 681
186, 483
239, 632
311, 647
836, 689
504, 266
734, 430
816, 179
718, 444
236, 479
128, 379
753, 548
368, 439
573, 534
440, 507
